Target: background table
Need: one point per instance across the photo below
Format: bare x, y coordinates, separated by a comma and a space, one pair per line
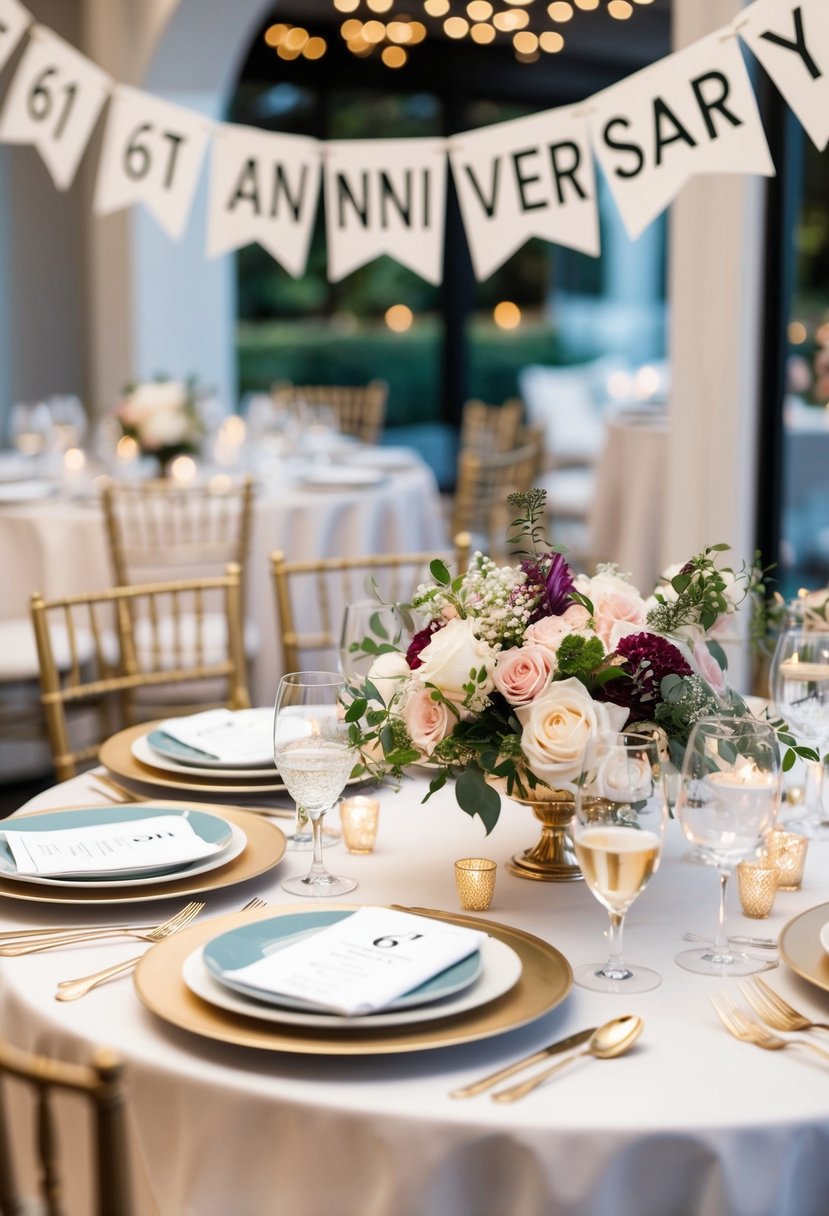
690, 1123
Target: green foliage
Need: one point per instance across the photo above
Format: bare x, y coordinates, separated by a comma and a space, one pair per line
580, 657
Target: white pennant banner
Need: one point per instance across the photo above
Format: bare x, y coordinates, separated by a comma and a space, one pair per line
385, 196
692, 113
791, 40
53, 103
528, 177
14, 21
152, 154
264, 188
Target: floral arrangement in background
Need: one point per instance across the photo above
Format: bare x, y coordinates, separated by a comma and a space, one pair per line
162, 417
515, 669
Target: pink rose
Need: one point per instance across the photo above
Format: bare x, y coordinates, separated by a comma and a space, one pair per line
427, 721
522, 673
616, 605
551, 631
709, 668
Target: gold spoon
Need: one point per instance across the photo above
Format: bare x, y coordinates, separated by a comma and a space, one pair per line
610, 1040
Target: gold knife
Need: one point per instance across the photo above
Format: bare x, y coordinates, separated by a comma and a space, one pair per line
552, 1049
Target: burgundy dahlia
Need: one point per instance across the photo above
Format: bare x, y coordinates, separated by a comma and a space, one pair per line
553, 585
420, 641
648, 658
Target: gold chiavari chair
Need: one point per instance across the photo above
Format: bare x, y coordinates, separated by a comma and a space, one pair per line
491, 428
360, 410
100, 1085
129, 639
316, 592
484, 481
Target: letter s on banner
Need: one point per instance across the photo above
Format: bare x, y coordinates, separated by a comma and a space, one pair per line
14, 21
53, 103
791, 40
152, 154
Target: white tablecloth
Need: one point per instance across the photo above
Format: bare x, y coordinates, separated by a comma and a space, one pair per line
690, 1123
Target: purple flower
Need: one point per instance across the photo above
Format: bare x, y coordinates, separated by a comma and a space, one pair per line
420, 641
648, 658
551, 579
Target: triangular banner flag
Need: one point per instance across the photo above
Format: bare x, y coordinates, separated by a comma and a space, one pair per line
53, 103
791, 40
691, 113
265, 188
528, 177
385, 196
14, 21
152, 154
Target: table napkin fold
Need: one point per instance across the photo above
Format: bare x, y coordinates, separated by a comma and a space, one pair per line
223, 735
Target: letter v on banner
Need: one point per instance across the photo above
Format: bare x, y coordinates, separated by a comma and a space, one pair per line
791, 40
263, 187
694, 112
385, 196
527, 177
14, 21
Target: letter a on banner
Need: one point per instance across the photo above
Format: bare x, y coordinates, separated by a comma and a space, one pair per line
152, 154
791, 40
385, 196
264, 188
14, 21
53, 103
528, 177
691, 113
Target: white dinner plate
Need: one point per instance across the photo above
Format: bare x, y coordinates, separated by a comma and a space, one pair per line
26, 491
388, 459
144, 751
499, 972
209, 827
341, 477
260, 719
824, 937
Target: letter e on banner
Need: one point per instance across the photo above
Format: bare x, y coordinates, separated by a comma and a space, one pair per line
152, 154
14, 21
791, 40
53, 103
694, 112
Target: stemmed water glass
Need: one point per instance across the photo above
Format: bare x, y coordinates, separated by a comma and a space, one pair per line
619, 825
314, 756
729, 795
368, 627
799, 679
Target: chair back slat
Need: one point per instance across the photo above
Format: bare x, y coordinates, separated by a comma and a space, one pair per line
484, 482
491, 428
360, 410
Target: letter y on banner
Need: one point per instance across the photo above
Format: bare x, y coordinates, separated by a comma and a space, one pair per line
385, 196
53, 103
791, 40
14, 21
694, 112
152, 154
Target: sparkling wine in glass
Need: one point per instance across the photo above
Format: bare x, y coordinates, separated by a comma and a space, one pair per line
621, 811
729, 795
314, 756
799, 679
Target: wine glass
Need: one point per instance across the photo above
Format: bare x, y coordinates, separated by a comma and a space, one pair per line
799, 680
619, 825
728, 797
314, 755
367, 627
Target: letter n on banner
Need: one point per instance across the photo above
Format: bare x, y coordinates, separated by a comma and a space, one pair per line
265, 188
14, 21
152, 154
53, 103
791, 40
385, 196
694, 112
528, 177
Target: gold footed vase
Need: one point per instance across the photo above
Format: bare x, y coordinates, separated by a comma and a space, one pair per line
553, 857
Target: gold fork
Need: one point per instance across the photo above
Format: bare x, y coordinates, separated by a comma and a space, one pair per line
736, 1023
774, 1010
70, 990
51, 939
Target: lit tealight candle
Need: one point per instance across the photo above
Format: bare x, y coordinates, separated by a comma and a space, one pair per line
183, 469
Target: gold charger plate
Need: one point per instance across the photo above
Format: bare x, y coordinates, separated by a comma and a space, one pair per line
265, 848
116, 754
546, 979
800, 946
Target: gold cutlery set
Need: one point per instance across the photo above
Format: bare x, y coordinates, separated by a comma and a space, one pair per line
775, 1012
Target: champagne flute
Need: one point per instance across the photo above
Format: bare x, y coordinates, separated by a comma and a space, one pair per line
367, 627
728, 798
799, 680
619, 825
314, 755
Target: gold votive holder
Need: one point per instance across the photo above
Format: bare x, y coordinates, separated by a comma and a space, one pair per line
475, 881
358, 822
787, 851
757, 883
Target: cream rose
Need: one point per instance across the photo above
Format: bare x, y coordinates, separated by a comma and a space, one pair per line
452, 655
427, 721
622, 777
559, 725
388, 673
523, 673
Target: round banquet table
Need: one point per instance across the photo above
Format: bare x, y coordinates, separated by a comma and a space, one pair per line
58, 546
689, 1123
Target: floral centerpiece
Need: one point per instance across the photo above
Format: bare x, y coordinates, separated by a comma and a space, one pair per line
162, 417
515, 668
